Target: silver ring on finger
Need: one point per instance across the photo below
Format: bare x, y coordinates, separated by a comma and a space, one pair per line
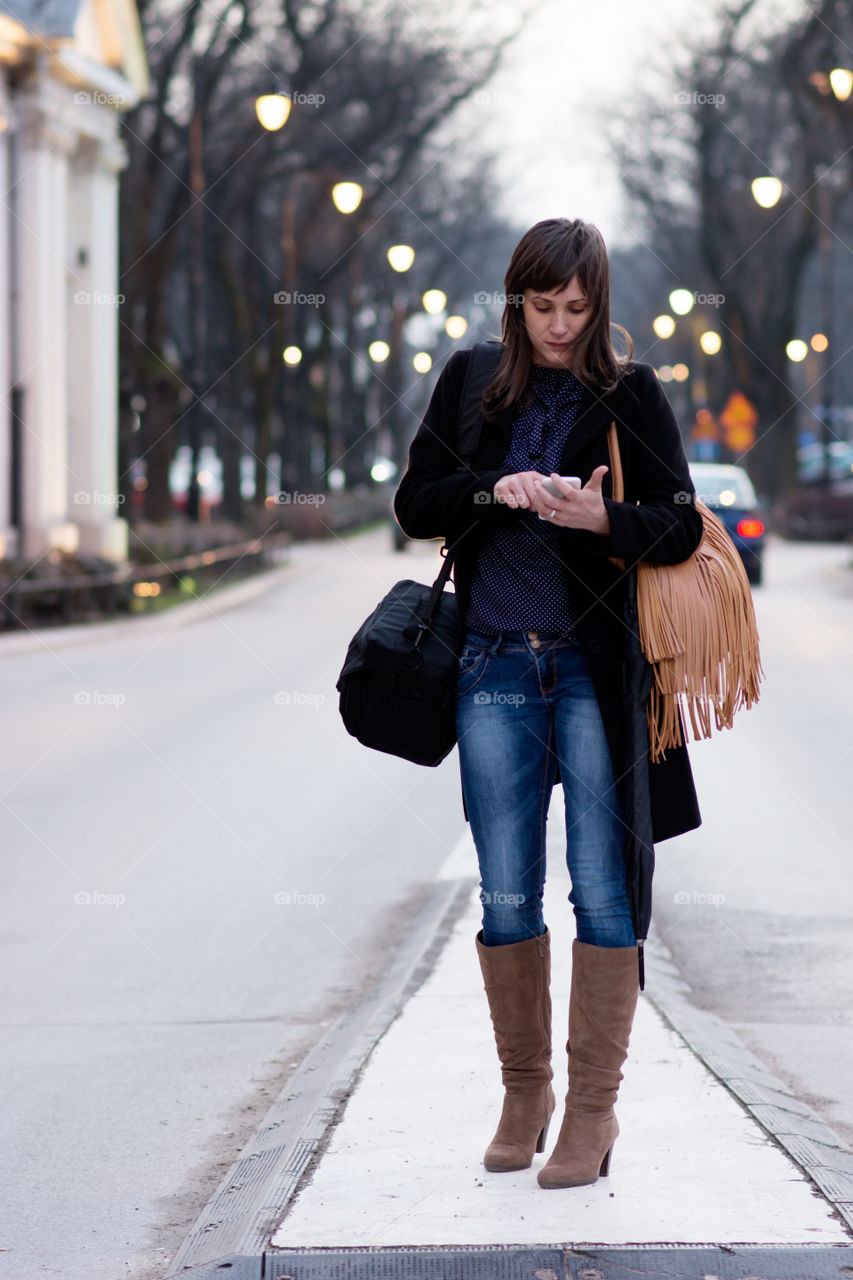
551, 514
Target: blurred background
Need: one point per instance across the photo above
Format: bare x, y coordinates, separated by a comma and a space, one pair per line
241, 238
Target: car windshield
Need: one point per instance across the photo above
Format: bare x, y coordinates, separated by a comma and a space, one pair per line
723, 486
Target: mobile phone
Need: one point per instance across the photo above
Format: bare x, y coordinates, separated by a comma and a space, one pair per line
550, 488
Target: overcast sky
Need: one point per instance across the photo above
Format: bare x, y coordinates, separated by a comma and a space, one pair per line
574, 59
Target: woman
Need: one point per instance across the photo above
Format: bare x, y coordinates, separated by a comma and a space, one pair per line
538, 688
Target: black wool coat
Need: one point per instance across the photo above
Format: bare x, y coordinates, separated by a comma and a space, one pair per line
438, 497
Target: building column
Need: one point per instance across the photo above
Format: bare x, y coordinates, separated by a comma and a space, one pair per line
42, 375
94, 307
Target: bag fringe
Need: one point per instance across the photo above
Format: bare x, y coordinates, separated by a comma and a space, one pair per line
700, 636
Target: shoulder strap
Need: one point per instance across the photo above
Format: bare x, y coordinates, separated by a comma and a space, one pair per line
482, 364
615, 464
481, 367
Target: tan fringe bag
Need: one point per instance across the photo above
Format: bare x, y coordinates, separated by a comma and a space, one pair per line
697, 629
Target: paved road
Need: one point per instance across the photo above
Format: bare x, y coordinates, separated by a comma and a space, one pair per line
757, 905
150, 768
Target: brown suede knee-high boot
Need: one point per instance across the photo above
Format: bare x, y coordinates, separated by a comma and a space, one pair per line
517, 981
605, 986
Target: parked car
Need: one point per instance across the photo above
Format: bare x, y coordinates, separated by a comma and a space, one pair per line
728, 491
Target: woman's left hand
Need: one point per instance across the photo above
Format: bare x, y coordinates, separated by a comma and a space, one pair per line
578, 508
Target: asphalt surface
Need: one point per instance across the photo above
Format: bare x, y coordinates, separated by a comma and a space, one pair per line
147, 1029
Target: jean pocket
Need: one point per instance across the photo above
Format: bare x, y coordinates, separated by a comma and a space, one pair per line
470, 667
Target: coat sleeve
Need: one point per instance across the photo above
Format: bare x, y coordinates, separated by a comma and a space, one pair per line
439, 496
658, 521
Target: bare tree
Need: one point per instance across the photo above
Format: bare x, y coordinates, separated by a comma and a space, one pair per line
370, 88
748, 105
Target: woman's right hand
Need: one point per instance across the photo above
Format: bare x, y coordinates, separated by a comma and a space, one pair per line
518, 490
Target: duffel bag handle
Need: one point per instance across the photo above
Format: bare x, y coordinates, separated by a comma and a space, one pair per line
420, 622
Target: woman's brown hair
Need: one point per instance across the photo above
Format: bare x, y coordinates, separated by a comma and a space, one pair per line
546, 258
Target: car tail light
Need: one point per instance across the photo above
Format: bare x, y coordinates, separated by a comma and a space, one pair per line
750, 528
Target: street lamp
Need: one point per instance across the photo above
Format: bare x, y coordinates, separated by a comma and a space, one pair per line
272, 110
796, 350
292, 356
710, 342
346, 196
766, 191
434, 301
456, 326
401, 256
664, 326
681, 301
422, 362
841, 83
379, 351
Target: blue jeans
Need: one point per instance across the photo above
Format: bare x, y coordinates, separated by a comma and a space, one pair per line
521, 697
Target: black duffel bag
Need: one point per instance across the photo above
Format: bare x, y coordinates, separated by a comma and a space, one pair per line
398, 683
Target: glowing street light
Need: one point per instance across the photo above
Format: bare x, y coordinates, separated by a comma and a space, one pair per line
379, 351
664, 326
796, 350
434, 301
456, 326
819, 342
346, 196
766, 191
841, 83
681, 301
272, 110
422, 362
401, 256
680, 372
291, 356
710, 342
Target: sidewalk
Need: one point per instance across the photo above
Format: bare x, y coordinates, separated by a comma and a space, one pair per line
403, 1167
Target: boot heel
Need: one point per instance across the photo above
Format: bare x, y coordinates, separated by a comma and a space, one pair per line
605, 1164
543, 1137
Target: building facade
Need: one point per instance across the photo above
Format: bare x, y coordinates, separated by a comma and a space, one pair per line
68, 69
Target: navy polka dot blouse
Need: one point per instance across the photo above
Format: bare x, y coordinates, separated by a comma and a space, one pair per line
519, 583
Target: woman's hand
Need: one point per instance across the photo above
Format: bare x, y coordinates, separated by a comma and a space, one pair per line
518, 490
578, 508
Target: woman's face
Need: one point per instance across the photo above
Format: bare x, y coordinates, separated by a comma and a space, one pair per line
554, 321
